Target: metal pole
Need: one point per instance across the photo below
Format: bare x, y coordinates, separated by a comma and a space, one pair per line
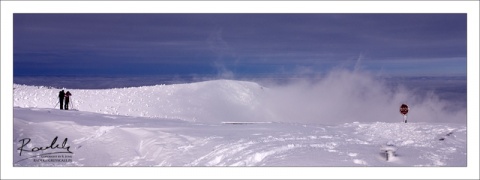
73, 107
58, 101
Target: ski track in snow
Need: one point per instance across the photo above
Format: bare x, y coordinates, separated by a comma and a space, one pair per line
158, 126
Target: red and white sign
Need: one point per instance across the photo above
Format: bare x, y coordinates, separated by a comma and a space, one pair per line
404, 109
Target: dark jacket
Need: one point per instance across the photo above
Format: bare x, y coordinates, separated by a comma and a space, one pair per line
61, 94
67, 95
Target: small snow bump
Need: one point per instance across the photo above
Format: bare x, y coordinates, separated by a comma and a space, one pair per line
359, 161
352, 154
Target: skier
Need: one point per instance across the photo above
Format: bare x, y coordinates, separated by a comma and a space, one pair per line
67, 99
61, 95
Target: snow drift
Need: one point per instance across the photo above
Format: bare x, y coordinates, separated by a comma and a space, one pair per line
210, 101
339, 97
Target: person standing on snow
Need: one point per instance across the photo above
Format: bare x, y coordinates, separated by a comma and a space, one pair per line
61, 95
67, 99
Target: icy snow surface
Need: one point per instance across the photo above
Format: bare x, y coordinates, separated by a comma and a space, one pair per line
215, 123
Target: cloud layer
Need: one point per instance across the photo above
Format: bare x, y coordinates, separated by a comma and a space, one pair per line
132, 44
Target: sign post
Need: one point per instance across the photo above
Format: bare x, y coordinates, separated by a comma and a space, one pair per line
404, 110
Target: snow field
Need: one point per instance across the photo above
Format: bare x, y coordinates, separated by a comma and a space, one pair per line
111, 140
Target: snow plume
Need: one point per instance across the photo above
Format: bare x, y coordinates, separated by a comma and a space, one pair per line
340, 96
346, 96
222, 51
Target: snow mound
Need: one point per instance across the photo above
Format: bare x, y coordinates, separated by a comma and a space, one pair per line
209, 101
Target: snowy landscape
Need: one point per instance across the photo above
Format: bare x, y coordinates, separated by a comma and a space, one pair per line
239, 90
344, 119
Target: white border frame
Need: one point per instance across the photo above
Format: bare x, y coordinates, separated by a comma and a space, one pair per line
10, 7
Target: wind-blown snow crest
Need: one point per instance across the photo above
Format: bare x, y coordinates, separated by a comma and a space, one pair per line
221, 100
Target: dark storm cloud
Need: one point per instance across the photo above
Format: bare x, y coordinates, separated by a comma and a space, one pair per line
203, 43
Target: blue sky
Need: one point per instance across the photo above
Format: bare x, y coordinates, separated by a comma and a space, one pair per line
238, 44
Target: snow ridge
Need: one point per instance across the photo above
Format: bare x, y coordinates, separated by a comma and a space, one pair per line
220, 100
